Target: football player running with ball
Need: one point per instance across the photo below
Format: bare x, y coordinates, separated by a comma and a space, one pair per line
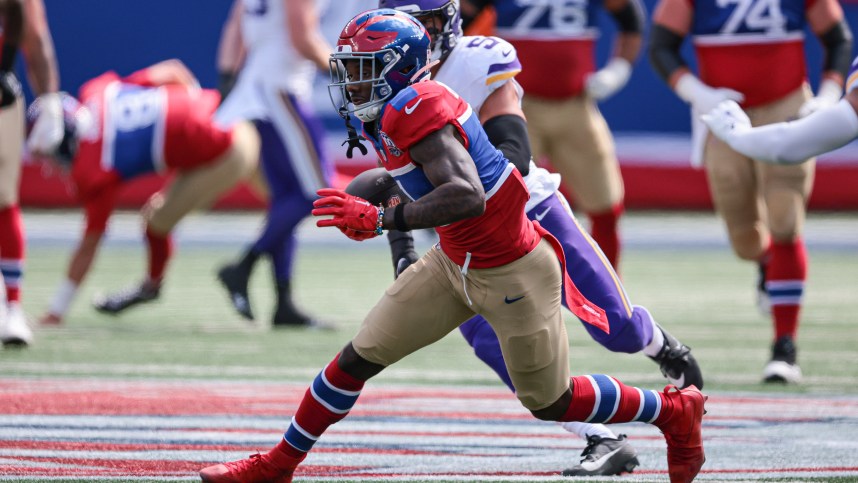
490, 260
481, 70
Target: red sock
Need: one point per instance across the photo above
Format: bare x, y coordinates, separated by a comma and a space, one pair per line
160, 250
604, 228
598, 398
12, 251
785, 278
328, 401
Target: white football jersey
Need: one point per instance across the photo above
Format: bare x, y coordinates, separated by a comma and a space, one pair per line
271, 64
475, 68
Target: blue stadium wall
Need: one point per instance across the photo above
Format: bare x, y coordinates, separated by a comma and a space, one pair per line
650, 123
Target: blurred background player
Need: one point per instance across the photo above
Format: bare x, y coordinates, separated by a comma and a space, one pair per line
754, 53
483, 70
556, 44
22, 24
491, 260
794, 142
282, 48
157, 120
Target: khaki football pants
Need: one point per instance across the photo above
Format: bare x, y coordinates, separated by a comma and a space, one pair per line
199, 188
11, 149
520, 300
759, 201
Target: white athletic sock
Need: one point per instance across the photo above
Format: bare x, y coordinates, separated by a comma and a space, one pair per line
63, 298
586, 429
654, 347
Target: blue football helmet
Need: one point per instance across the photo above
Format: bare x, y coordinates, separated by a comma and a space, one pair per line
394, 44
444, 40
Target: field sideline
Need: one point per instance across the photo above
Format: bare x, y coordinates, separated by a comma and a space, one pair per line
165, 389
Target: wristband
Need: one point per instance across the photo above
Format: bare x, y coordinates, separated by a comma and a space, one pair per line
399, 218
380, 221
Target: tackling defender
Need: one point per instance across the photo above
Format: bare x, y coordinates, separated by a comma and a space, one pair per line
491, 260
754, 53
157, 120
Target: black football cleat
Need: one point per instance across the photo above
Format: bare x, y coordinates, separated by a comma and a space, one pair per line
234, 278
605, 457
126, 298
783, 367
677, 363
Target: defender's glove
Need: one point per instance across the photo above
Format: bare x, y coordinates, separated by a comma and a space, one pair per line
10, 89
726, 120
704, 98
828, 95
401, 250
349, 213
606, 81
48, 130
405, 261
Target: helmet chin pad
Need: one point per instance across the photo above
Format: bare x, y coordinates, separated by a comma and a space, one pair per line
368, 113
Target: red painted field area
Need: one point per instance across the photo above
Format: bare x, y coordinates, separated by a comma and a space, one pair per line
99, 428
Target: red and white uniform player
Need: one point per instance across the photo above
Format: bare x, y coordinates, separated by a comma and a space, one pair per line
155, 121
138, 129
753, 52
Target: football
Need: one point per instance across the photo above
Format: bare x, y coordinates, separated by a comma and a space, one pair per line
378, 187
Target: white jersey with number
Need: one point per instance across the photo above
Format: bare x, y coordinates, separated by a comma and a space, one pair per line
475, 68
271, 63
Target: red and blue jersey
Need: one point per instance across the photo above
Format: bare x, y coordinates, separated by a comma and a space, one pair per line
502, 233
556, 37
739, 43
141, 129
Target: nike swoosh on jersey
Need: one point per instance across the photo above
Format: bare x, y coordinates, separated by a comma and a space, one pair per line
540, 216
509, 300
409, 110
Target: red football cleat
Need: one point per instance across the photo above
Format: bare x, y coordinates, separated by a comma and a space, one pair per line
255, 469
681, 430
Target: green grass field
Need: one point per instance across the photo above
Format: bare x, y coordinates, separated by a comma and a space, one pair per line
701, 294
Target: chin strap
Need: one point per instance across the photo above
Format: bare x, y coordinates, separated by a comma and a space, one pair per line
354, 140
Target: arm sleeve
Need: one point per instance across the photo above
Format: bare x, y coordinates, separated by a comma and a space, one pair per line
795, 142
837, 42
12, 25
664, 51
630, 18
508, 133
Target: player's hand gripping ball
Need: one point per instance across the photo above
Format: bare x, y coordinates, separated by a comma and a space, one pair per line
356, 217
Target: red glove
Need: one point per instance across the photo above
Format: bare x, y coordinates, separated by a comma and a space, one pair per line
354, 216
358, 235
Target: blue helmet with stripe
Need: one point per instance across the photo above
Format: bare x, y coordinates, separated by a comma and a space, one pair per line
391, 45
